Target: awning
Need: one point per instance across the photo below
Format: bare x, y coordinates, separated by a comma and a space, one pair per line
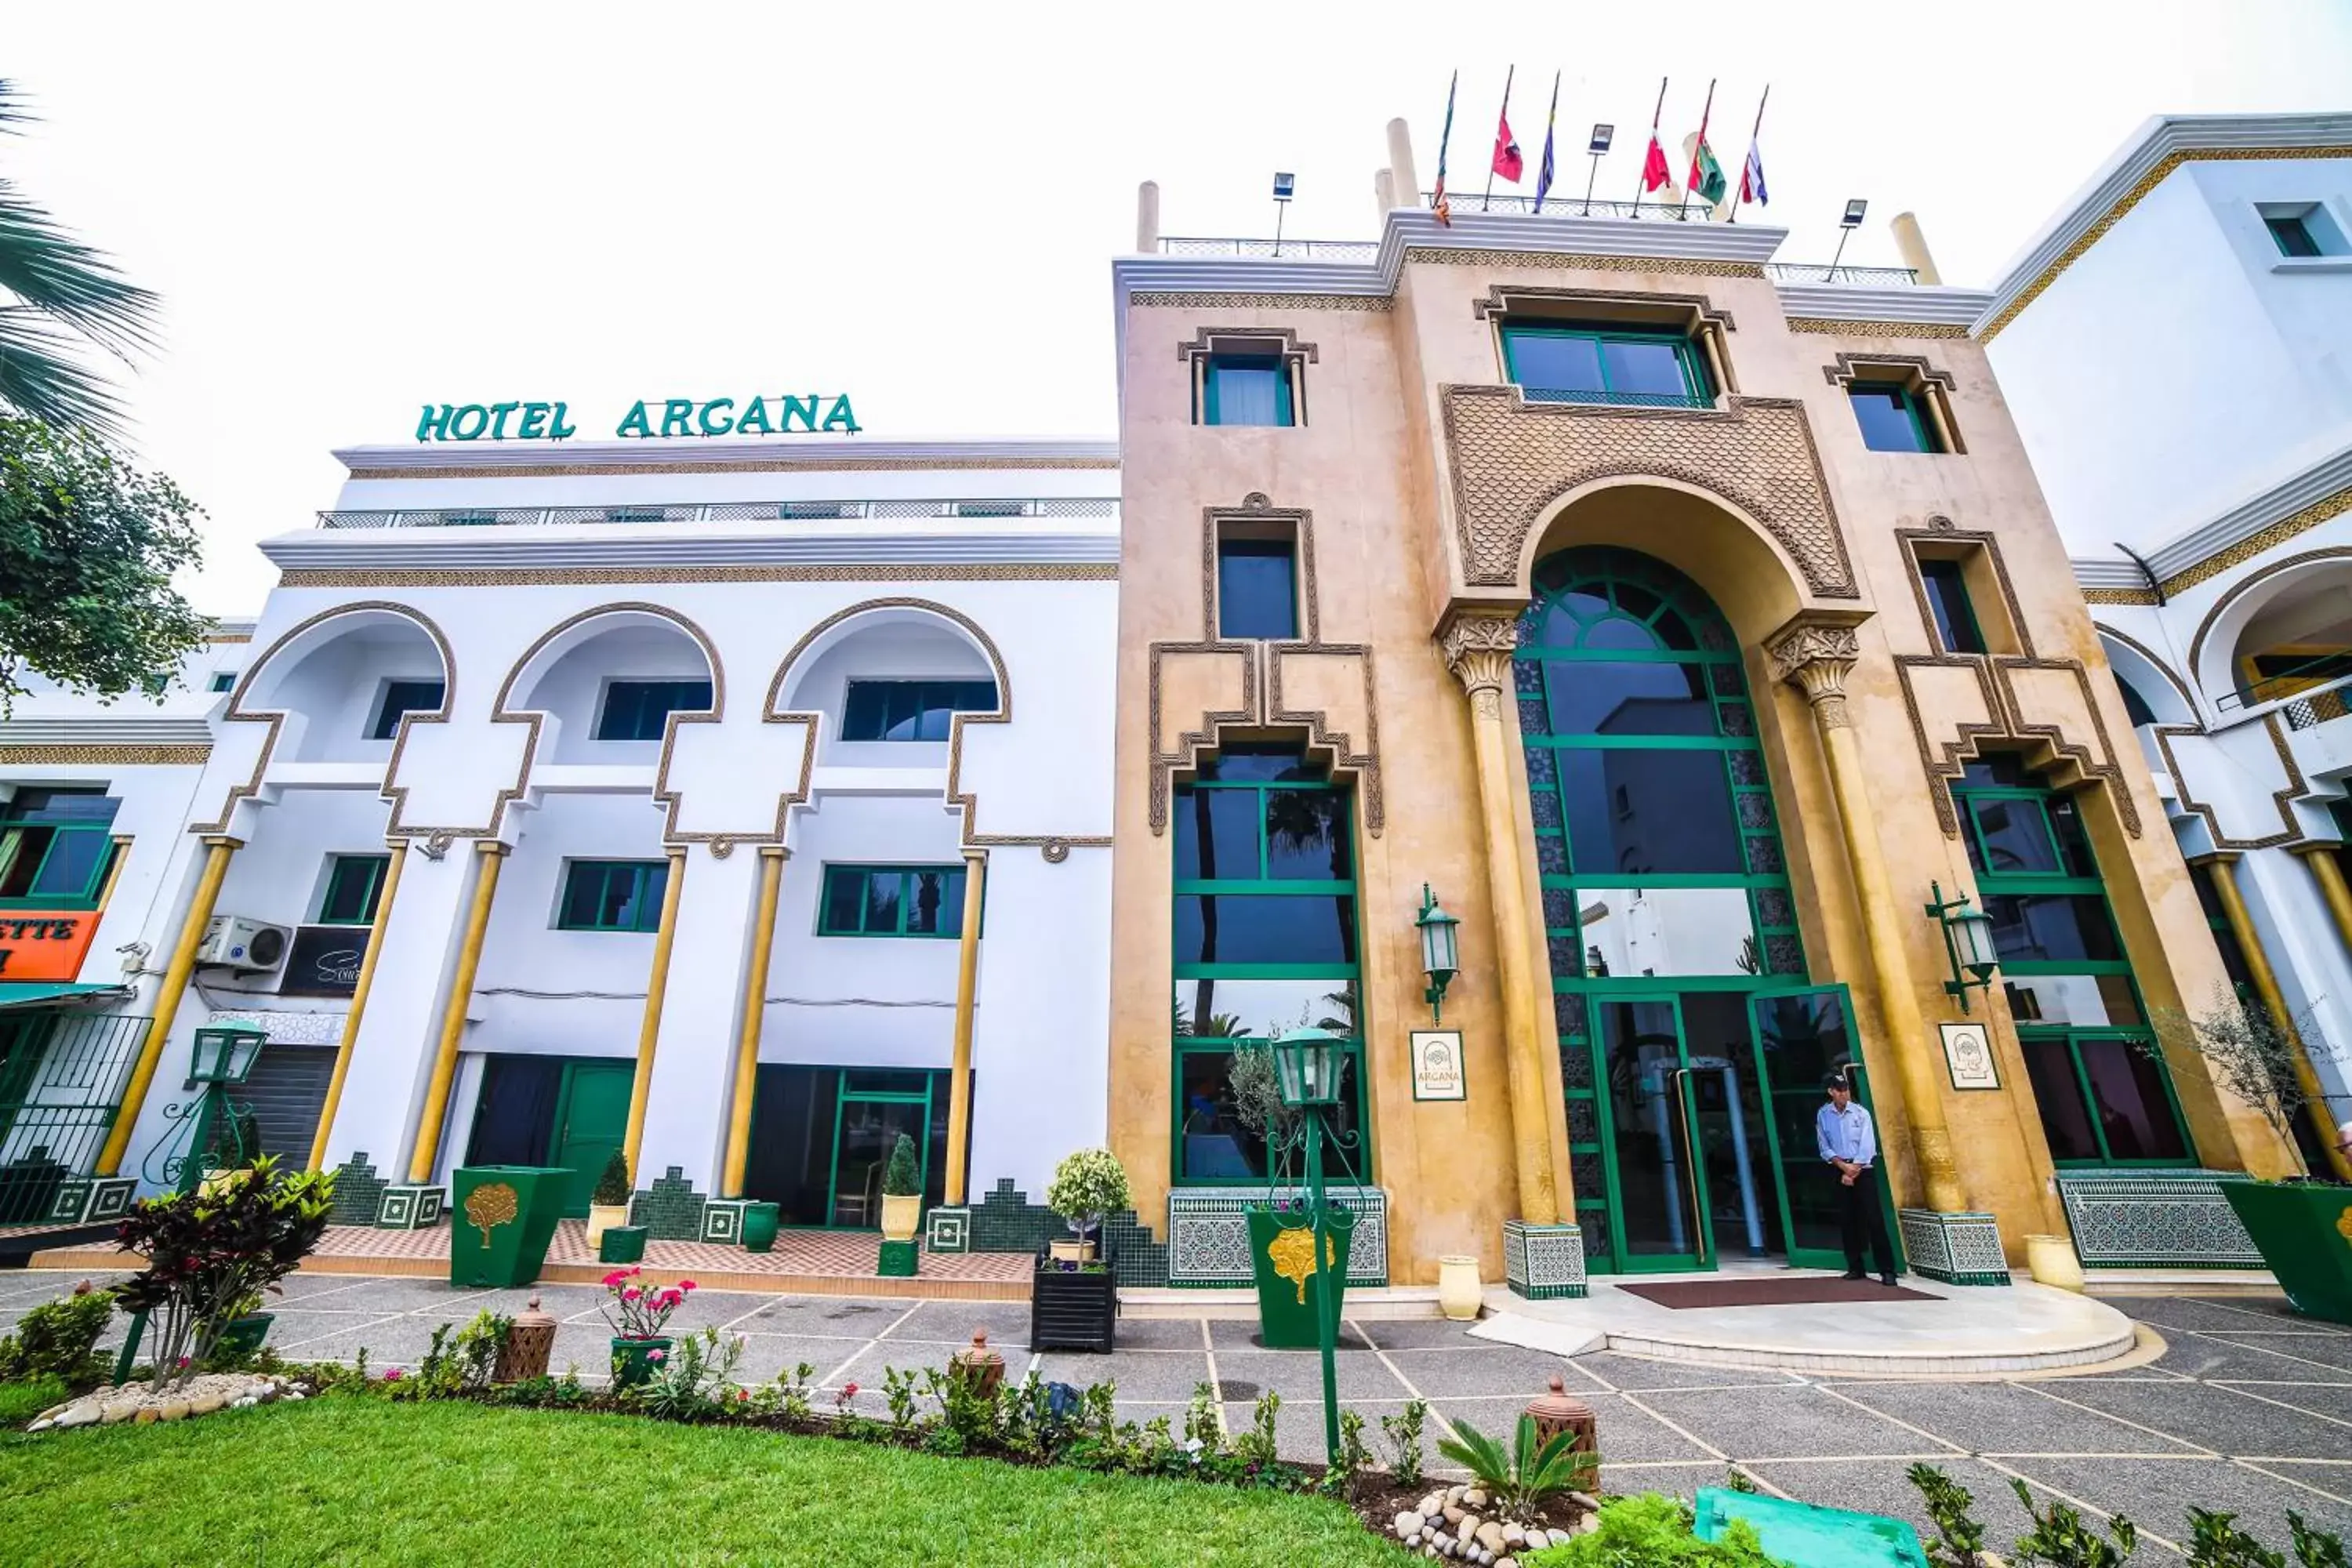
51, 994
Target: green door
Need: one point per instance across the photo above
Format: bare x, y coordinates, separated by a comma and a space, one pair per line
867, 1124
1650, 1137
1802, 1036
592, 1118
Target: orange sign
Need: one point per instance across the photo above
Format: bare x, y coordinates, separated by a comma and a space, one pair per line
45, 944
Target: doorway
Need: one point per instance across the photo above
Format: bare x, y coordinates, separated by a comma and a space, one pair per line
822, 1138
566, 1111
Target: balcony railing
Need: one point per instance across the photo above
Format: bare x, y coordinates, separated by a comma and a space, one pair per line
1285, 249
2294, 678
728, 511
1617, 399
1815, 272
1462, 203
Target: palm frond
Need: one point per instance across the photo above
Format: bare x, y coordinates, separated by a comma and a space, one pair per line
1481, 1455
15, 111
39, 380
77, 285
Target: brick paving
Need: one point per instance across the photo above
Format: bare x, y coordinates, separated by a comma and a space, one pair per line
2249, 1408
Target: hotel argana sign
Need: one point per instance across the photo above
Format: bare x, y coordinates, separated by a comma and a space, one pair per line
815, 414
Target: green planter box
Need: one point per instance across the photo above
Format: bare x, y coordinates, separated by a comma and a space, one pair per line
243, 1336
621, 1244
633, 1359
1286, 1306
503, 1219
2304, 1231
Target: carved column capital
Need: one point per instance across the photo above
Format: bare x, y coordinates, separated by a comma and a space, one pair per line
1816, 659
1478, 646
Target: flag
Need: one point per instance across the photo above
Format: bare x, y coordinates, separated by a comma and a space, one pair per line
1544, 174
1508, 162
1437, 199
1707, 181
1752, 177
1654, 171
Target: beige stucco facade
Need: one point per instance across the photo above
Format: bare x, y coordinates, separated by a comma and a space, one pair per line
1424, 489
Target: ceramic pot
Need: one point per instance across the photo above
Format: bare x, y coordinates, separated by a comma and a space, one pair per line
1071, 1249
2051, 1261
1459, 1292
901, 1217
602, 1217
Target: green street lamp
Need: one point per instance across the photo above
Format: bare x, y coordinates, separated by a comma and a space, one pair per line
1308, 1063
220, 1058
225, 1054
1967, 943
1440, 954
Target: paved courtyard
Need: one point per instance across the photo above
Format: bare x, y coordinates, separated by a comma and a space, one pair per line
2249, 1409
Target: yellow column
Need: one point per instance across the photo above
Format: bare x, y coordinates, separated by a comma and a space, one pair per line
1479, 650
656, 991
453, 1012
975, 862
1817, 659
359, 1003
167, 1000
755, 1011
2223, 869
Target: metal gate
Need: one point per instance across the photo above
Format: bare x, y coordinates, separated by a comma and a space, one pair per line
61, 1080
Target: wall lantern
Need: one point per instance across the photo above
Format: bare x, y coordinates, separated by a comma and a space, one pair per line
226, 1053
1968, 941
1440, 956
1308, 1062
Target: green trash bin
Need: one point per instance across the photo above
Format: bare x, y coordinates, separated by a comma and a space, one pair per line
1282, 1261
503, 1219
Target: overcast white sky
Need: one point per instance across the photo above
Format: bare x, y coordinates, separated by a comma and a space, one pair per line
353, 209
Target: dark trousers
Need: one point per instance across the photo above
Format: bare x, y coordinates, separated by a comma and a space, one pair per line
1859, 1214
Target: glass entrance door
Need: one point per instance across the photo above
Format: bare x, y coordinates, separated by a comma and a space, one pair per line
868, 1125
1803, 1036
1651, 1137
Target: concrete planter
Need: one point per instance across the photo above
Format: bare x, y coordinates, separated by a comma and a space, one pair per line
901, 1217
2051, 1261
2303, 1230
1459, 1292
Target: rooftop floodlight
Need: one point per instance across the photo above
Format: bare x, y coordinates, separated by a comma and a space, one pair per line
1601, 136
1284, 184
1846, 226
1853, 211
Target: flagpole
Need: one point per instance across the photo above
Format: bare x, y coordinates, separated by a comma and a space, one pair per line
1444, 139
1551, 120
1641, 180
1754, 132
1690, 176
1487, 200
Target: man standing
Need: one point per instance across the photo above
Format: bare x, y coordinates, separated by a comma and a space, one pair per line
1848, 1146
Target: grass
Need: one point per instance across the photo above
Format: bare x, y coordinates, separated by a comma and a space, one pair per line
20, 1401
351, 1480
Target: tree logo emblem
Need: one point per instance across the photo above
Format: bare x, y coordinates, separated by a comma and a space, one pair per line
491, 1206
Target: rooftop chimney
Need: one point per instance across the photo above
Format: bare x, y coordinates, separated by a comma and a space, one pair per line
1147, 218
1383, 192
1914, 247
1404, 186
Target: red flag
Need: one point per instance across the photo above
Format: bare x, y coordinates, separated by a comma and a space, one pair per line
1508, 162
1654, 171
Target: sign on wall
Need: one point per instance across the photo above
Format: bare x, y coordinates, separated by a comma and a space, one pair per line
1437, 1065
45, 944
324, 961
1968, 1051
813, 414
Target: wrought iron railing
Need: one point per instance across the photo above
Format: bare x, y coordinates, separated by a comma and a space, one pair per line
1285, 249
1818, 272
2287, 682
1617, 399
2312, 711
63, 1075
1554, 204
728, 511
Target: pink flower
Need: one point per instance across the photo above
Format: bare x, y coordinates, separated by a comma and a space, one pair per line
671, 1299
742, 1396
631, 1294
657, 1356
613, 1280
685, 1284
182, 1363
392, 1375
849, 1391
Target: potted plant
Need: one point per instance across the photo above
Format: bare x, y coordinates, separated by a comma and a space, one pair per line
636, 1314
608, 1205
902, 1193
1074, 1299
242, 1334
2302, 1226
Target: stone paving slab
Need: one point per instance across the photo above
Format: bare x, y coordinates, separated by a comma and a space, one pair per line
1627, 1433
1609, 1370
2157, 1494
2328, 1356
1437, 1374
1778, 1423
1299, 1374
2008, 1418
1164, 1377
2216, 1418
1878, 1486
1242, 1334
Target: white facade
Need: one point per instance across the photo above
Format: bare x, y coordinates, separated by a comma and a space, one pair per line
719, 561
2184, 385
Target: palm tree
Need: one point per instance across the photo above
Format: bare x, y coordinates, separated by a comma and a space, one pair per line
55, 293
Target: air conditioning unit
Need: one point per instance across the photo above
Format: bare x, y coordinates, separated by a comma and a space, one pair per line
231, 942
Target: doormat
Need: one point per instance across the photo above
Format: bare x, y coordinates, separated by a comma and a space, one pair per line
1688, 1293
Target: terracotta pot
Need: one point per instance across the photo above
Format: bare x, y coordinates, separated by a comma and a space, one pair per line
2051, 1261
1459, 1292
1071, 1249
602, 1217
901, 1217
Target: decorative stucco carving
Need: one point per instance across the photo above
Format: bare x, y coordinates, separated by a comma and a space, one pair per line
1479, 647
1512, 460
591, 576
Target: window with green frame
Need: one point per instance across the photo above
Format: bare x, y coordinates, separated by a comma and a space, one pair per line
640, 709
1246, 389
1946, 582
892, 901
612, 895
2105, 1095
55, 848
1266, 943
1891, 418
355, 883
1658, 367
1656, 842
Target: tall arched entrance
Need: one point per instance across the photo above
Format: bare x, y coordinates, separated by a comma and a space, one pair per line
1692, 1048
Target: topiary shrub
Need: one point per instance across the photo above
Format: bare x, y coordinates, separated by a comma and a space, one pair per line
902, 1177
1087, 1186
613, 1186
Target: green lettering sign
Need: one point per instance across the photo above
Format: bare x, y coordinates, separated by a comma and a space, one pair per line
816, 413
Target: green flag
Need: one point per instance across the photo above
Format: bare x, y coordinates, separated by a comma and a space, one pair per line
1707, 181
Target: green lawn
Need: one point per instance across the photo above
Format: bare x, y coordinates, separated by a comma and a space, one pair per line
348, 1480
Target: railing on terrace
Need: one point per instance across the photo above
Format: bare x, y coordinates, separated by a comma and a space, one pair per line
728, 511
1286, 249
2287, 682
58, 1109
1815, 272
1617, 399
1462, 202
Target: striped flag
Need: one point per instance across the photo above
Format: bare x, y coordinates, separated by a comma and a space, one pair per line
1543, 175
1437, 200
1752, 172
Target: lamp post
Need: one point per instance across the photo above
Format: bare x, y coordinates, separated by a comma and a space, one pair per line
1968, 942
1308, 1062
222, 1054
1846, 226
1440, 950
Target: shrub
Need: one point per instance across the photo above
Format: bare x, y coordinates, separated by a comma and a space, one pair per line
1959, 1539
59, 1340
1404, 1432
1655, 1532
209, 1253
613, 1186
1087, 1185
902, 1177
692, 1380
1519, 1478
2060, 1539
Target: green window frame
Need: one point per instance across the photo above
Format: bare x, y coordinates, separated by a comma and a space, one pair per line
2064, 842
1326, 810
56, 847
1945, 579
222, 680
355, 883
612, 895
1216, 405
920, 902
1697, 389
400, 698
897, 711
1903, 427
640, 709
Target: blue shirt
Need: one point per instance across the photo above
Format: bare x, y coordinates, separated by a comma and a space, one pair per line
1846, 1135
